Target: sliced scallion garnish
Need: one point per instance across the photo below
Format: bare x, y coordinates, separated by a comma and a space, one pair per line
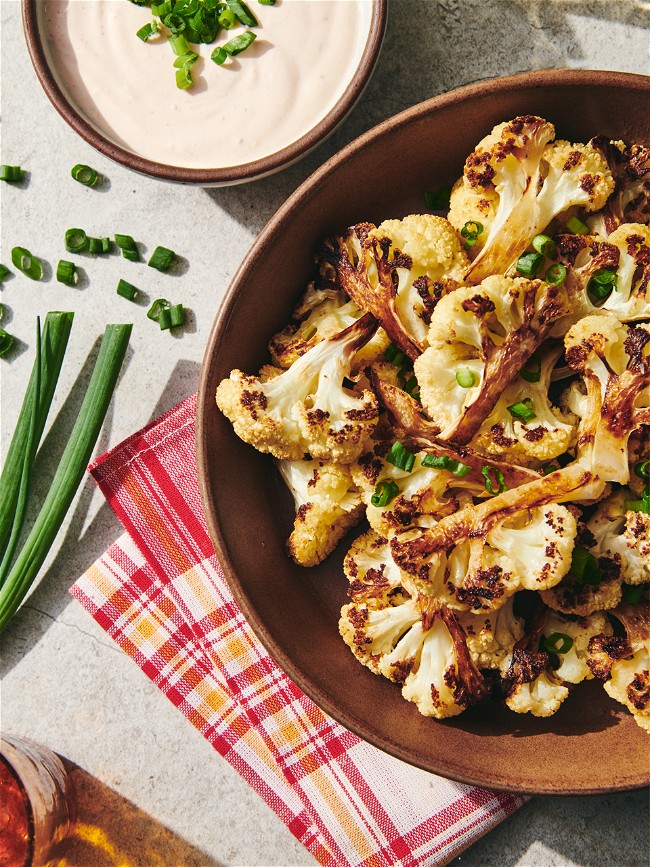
227, 19
146, 32
632, 593
161, 258
27, 263
76, 240
179, 44
177, 315
545, 245
242, 13
234, 46
66, 272
532, 370
126, 290
84, 175
529, 264
603, 281
183, 78
470, 231
158, 305
385, 491
11, 173
495, 482
576, 226
400, 457
522, 410
128, 247
555, 274
465, 377
6, 342
584, 566
558, 642
443, 462
4, 273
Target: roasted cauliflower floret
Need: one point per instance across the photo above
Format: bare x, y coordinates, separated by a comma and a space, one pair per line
322, 313
622, 535
614, 363
624, 662
477, 558
573, 661
418, 644
509, 430
306, 409
479, 339
327, 504
371, 570
630, 201
535, 179
491, 636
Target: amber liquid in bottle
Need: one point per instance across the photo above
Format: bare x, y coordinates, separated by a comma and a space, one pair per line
14, 821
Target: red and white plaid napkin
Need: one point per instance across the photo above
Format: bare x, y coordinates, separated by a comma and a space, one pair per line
159, 592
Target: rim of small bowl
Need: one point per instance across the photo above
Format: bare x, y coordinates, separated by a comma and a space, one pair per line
220, 176
205, 405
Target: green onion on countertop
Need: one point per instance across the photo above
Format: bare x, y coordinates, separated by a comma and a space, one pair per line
76, 240
6, 342
27, 263
11, 173
4, 273
66, 272
84, 175
161, 259
128, 247
19, 567
127, 290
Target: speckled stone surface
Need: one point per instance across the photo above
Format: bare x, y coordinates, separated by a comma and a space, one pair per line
153, 791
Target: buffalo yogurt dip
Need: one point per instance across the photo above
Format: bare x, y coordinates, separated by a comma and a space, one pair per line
257, 103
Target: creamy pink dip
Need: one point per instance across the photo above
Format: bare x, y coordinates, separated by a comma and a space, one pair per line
257, 103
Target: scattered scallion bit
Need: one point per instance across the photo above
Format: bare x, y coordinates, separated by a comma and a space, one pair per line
465, 377
443, 462
495, 482
4, 273
175, 23
394, 355
470, 231
128, 247
145, 33
76, 241
161, 258
632, 593
27, 263
179, 44
18, 574
529, 264
642, 469
266, 2
6, 342
177, 315
11, 173
219, 56
162, 9
99, 246
545, 245
576, 226
126, 290
603, 281
242, 13
227, 19
400, 457
66, 272
584, 566
522, 410
532, 370
183, 78
234, 46
385, 491
165, 319
558, 642
158, 305
186, 60
555, 274
84, 175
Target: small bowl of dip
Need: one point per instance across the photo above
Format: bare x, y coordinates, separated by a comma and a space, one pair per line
255, 114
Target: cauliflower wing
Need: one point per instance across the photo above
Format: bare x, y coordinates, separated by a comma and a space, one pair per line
327, 505
306, 409
490, 331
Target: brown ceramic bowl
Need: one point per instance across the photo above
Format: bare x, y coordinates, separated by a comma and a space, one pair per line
215, 176
592, 744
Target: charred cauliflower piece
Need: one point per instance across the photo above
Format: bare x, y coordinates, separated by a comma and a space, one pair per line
624, 662
487, 333
534, 180
630, 200
306, 409
419, 644
327, 505
623, 535
491, 635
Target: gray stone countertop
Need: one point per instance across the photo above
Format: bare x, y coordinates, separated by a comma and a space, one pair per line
155, 790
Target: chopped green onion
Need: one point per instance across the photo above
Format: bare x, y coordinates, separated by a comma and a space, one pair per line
66, 272
4, 272
547, 469
17, 578
266, 2
532, 370
186, 60
126, 290
443, 462
584, 567
412, 387
642, 469
146, 32
394, 355
177, 315
242, 13
558, 642
529, 264
400, 457
642, 505
179, 44
438, 200
499, 480
465, 377
219, 56
175, 23
25, 262
632, 593
158, 305
576, 226
556, 274
11, 173
227, 19
84, 175
544, 245
128, 247
602, 282
470, 231
165, 319
161, 258
522, 410
238, 43
162, 9
76, 240
99, 245
6, 342
385, 491
183, 78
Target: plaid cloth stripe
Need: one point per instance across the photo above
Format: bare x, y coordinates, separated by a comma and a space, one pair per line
160, 593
